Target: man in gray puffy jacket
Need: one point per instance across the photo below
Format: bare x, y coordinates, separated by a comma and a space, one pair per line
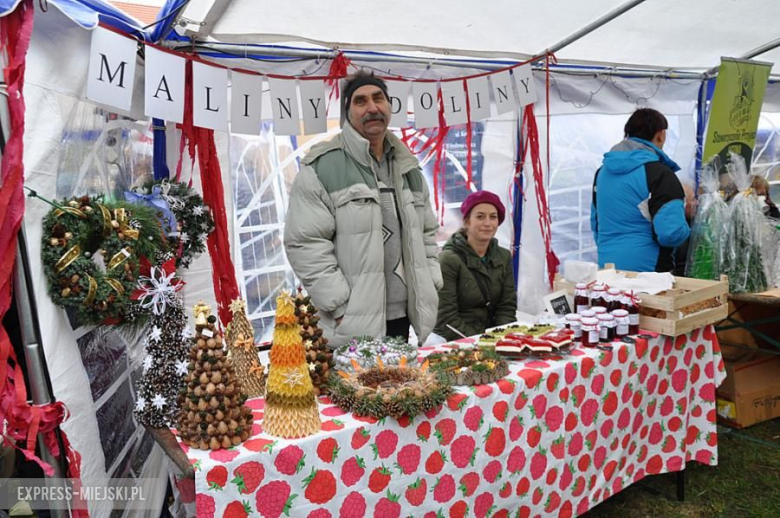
360, 232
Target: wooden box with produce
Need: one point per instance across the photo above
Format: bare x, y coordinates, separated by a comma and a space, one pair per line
691, 304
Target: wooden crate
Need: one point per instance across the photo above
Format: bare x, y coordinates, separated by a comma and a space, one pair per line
686, 292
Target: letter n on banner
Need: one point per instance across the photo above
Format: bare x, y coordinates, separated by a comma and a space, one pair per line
399, 102
246, 107
111, 74
284, 105
209, 97
313, 106
164, 85
426, 105
503, 92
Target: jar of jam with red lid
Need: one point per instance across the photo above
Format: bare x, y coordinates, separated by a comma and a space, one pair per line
606, 327
621, 323
590, 332
581, 300
574, 322
631, 302
598, 296
614, 299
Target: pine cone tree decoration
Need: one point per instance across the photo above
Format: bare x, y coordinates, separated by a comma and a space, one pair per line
213, 415
317, 352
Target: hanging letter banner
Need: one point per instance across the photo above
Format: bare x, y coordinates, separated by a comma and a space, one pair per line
426, 105
111, 73
454, 102
284, 105
735, 109
209, 97
524, 83
399, 102
246, 103
479, 98
503, 92
313, 106
164, 85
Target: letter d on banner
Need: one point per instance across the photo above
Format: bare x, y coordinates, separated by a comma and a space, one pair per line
111, 73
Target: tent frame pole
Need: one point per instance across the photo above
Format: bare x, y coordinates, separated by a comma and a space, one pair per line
766, 47
600, 22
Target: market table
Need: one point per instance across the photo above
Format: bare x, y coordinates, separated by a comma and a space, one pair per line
553, 437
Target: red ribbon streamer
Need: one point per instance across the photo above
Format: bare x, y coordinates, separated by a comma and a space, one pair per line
23, 422
200, 141
338, 69
531, 134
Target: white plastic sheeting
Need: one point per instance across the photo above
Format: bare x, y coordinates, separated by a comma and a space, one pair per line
690, 35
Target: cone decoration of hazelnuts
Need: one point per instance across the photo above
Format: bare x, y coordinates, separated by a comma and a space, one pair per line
318, 355
239, 336
212, 414
291, 409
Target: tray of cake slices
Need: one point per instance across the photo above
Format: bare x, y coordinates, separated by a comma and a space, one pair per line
521, 342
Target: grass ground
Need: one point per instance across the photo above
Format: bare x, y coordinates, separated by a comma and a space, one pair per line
746, 482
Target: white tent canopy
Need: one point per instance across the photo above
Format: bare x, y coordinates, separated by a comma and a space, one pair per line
689, 35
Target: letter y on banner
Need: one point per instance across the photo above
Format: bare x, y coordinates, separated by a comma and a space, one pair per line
111, 69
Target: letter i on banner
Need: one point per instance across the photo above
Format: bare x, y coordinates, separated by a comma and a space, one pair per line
503, 92
426, 105
399, 101
524, 82
313, 106
454, 101
246, 106
111, 76
209, 97
284, 105
479, 98
164, 85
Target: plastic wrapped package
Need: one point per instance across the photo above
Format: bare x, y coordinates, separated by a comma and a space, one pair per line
709, 229
746, 267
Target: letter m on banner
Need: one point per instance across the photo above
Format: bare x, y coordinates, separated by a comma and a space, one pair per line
111, 74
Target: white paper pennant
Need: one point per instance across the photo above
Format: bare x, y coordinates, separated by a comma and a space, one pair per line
399, 102
426, 104
503, 92
284, 105
111, 75
246, 107
524, 83
454, 102
164, 85
313, 106
209, 97
479, 98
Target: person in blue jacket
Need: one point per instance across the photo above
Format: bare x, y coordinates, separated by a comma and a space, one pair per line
638, 211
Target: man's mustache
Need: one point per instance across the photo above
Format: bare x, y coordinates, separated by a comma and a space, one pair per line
374, 117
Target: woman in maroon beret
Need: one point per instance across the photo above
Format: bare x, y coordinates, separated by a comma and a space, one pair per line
479, 285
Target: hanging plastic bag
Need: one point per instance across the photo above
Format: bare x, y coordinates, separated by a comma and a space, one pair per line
709, 229
746, 268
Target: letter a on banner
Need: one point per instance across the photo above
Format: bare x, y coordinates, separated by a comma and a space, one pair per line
164, 85
479, 98
246, 107
524, 83
503, 92
284, 105
111, 69
399, 100
313, 106
209, 97
454, 101
426, 104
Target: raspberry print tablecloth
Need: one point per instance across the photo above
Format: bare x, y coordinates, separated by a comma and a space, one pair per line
554, 437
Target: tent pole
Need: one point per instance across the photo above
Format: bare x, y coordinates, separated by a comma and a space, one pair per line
590, 27
766, 47
271, 51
